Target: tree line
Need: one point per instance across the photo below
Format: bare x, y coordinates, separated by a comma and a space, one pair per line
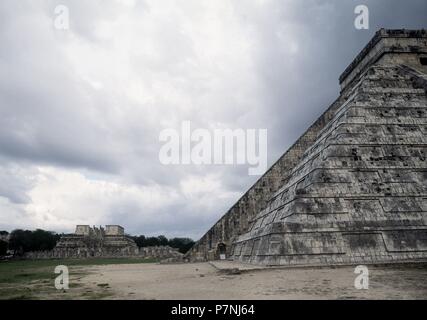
21, 241
182, 244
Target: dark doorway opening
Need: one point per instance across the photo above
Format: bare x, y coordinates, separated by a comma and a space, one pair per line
222, 250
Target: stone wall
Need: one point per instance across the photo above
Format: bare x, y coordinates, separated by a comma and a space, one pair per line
155, 252
160, 252
114, 230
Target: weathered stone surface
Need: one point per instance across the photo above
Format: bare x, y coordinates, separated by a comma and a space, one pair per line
110, 242
354, 187
94, 242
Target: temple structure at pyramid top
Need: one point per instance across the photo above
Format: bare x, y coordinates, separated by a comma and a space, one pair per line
353, 187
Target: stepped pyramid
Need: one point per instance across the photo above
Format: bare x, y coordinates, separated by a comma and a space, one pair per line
353, 188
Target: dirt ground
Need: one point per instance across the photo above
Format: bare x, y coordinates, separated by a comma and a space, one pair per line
204, 281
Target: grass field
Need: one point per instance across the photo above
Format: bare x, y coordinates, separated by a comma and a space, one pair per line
34, 279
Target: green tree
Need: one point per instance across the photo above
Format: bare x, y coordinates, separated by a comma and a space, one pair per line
182, 244
163, 241
151, 241
140, 241
20, 240
43, 240
25, 240
3, 247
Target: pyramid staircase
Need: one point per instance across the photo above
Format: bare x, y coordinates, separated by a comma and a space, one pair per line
353, 188
359, 194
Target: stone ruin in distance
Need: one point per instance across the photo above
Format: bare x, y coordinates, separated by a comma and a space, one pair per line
108, 242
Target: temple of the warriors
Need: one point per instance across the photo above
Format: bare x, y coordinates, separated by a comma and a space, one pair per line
353, 187
108, 242
96, 242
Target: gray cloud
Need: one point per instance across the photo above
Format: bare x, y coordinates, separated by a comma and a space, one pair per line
16, 182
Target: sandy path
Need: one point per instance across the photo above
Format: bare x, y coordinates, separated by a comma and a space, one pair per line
203, 281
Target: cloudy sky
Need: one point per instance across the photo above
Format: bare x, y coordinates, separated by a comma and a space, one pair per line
81, 109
